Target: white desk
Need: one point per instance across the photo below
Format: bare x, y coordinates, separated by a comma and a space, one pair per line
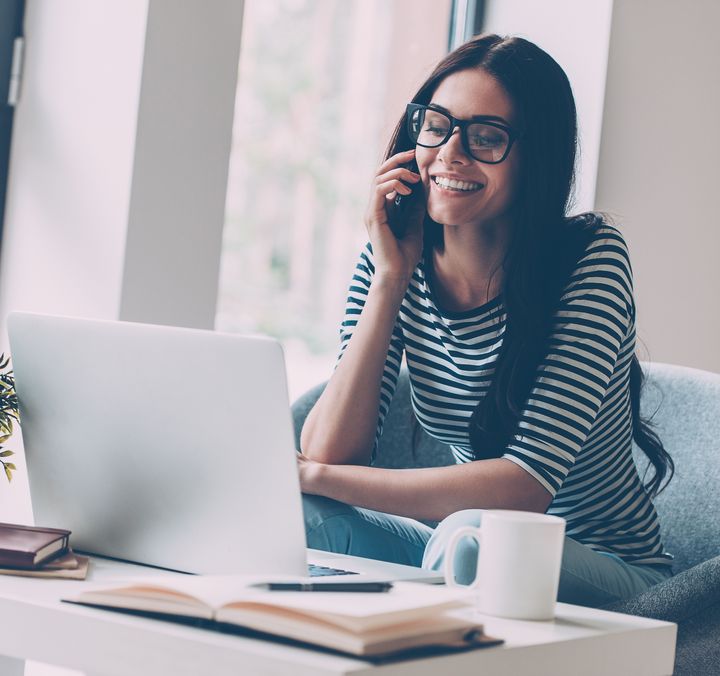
34, 625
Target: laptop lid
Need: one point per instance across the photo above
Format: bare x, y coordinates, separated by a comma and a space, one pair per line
164, 446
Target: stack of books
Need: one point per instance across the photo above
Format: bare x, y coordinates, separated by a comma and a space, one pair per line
32, 551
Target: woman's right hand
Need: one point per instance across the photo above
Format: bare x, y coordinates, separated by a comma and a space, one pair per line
396, 258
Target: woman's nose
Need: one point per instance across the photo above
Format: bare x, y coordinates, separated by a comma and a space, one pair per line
452, 150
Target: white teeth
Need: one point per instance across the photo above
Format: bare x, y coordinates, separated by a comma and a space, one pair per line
452, 184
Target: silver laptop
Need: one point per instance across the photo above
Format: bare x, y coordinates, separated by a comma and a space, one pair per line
166, 446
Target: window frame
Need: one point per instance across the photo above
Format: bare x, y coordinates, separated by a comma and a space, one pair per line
12, 13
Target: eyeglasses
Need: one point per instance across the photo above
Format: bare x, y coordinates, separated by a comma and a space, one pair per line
484, 140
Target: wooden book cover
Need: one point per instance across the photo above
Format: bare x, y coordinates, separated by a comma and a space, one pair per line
30, 546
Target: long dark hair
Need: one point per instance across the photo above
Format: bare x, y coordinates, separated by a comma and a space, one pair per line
546, 244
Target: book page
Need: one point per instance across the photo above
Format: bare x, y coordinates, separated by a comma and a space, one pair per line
306, 626
358, 611
353, 611
209, 591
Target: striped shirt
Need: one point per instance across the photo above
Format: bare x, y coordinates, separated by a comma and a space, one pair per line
574, 435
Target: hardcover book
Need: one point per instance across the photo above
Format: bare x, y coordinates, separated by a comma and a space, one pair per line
409, 616
30, 546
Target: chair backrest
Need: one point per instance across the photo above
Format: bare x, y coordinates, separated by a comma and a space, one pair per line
684, 405
403, 443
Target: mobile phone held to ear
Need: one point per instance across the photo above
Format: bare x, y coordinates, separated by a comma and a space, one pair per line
397, 209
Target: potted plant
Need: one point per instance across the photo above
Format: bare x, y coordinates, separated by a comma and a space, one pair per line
9, 413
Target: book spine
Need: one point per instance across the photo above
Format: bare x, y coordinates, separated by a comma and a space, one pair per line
16, 559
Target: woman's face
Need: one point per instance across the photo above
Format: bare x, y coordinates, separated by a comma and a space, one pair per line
464, 95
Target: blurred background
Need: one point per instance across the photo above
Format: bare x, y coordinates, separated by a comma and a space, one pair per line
320, 86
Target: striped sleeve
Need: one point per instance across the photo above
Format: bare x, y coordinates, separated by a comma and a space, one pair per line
596, 313
357, 295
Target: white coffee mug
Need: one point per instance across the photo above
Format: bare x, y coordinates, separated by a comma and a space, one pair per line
518, 569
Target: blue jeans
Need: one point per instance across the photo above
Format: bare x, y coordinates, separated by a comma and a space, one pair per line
587, 577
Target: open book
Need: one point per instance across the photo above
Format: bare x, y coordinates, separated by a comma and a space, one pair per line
408, 616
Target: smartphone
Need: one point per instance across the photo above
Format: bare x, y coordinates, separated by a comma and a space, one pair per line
398, 207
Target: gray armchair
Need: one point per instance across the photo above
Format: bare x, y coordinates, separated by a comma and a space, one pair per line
685, 406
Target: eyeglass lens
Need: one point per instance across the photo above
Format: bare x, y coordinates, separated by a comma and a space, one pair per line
431, 128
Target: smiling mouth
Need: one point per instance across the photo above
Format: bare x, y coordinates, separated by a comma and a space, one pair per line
455, 185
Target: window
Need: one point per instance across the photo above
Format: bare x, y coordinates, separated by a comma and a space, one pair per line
11, 17
321, 86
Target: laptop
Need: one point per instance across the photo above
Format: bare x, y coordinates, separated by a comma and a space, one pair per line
168, 447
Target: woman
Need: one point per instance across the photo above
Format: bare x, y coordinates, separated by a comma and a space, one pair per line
518, 326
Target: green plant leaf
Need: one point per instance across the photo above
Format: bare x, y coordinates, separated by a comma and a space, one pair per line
10, 465
9, 409
7, 472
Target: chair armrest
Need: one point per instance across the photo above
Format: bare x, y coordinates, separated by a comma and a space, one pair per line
680, 597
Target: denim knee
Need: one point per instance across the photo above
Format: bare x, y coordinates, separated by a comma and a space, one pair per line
318, 511
466, 554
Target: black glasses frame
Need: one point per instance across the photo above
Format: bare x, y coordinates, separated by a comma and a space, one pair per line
463, 126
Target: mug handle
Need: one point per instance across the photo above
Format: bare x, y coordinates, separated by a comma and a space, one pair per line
448, 571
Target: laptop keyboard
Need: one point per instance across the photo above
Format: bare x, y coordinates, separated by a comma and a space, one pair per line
319, 571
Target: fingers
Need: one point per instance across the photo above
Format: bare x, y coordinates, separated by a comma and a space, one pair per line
402, 173
393, 168
396, 160
389, 188
392, 179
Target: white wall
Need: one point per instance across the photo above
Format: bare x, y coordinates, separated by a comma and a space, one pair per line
118, 167
576, 34
660, 170
182, 151
71, 158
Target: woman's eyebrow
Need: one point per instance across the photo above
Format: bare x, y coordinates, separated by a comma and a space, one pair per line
496, 118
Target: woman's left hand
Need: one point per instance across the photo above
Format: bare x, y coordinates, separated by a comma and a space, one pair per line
309, 472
